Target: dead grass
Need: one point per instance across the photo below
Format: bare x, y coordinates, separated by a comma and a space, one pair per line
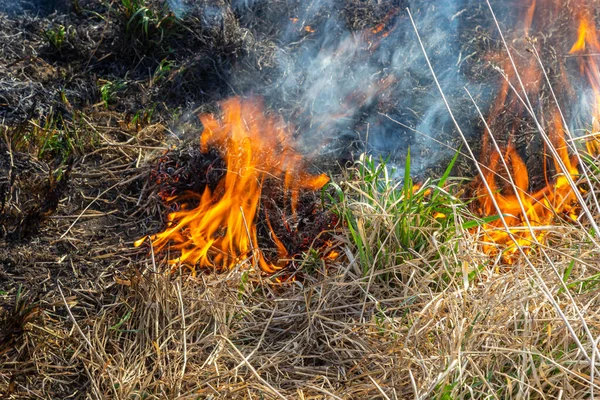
439, 320
456, 326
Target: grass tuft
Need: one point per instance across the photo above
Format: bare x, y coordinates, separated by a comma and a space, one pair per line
14, 321
393, 220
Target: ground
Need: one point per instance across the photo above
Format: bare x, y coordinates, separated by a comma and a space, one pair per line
387, 292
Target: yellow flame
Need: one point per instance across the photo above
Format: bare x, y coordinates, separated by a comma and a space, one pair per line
221, 230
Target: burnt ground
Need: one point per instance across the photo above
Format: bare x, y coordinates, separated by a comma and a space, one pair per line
94, 103
90, 102
92, 98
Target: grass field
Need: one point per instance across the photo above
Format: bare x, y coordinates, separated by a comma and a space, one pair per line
397, 284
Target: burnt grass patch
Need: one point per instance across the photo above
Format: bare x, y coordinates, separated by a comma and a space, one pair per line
177, 174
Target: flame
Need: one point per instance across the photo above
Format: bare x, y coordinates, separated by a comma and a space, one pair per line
587, 35
529, 214
221, 230
378, 28
588, 40
333, 255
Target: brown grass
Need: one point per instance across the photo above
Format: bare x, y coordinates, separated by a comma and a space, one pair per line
425, 333
445, 322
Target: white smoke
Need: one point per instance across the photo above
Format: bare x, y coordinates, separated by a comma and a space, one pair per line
347, 89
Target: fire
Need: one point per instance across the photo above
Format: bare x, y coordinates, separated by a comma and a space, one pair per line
528, 213
221, 231
519, 205
587, 34
587, 42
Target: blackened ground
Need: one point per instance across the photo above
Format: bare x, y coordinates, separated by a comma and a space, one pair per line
92, 96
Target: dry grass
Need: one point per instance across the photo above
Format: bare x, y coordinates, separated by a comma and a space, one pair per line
425, 315
443, 324
412, 307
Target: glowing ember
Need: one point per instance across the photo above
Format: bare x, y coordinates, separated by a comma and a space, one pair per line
220, 232
507, 176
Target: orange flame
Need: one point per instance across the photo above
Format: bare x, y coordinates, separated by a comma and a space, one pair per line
529, 213
221, 230
588, 40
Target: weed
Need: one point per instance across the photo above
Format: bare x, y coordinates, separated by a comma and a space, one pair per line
56, 36
47, 138
13, 323
54, 137
391, 220
163, 70
446, 392
242, 286
109, 90
585, 285
144, 24
143, 117
312, 262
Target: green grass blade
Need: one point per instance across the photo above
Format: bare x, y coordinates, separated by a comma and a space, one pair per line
479, 222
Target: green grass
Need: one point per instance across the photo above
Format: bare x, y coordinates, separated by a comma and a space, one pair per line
109, 90
392, 220
54, 137
144, 24
56, 36
163, 70
143, 117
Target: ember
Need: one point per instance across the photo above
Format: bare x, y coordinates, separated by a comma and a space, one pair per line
220, 232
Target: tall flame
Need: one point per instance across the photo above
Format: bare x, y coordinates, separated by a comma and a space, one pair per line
221, 230
527, 211
587, 42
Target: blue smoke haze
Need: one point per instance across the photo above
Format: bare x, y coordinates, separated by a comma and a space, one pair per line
341, 87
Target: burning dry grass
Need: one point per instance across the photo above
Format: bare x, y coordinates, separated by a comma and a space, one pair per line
221, 230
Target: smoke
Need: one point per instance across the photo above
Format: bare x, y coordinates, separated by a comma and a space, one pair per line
178, 7
39, 7
352, 77
371, 89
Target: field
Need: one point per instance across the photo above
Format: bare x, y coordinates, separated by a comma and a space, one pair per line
462, 264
